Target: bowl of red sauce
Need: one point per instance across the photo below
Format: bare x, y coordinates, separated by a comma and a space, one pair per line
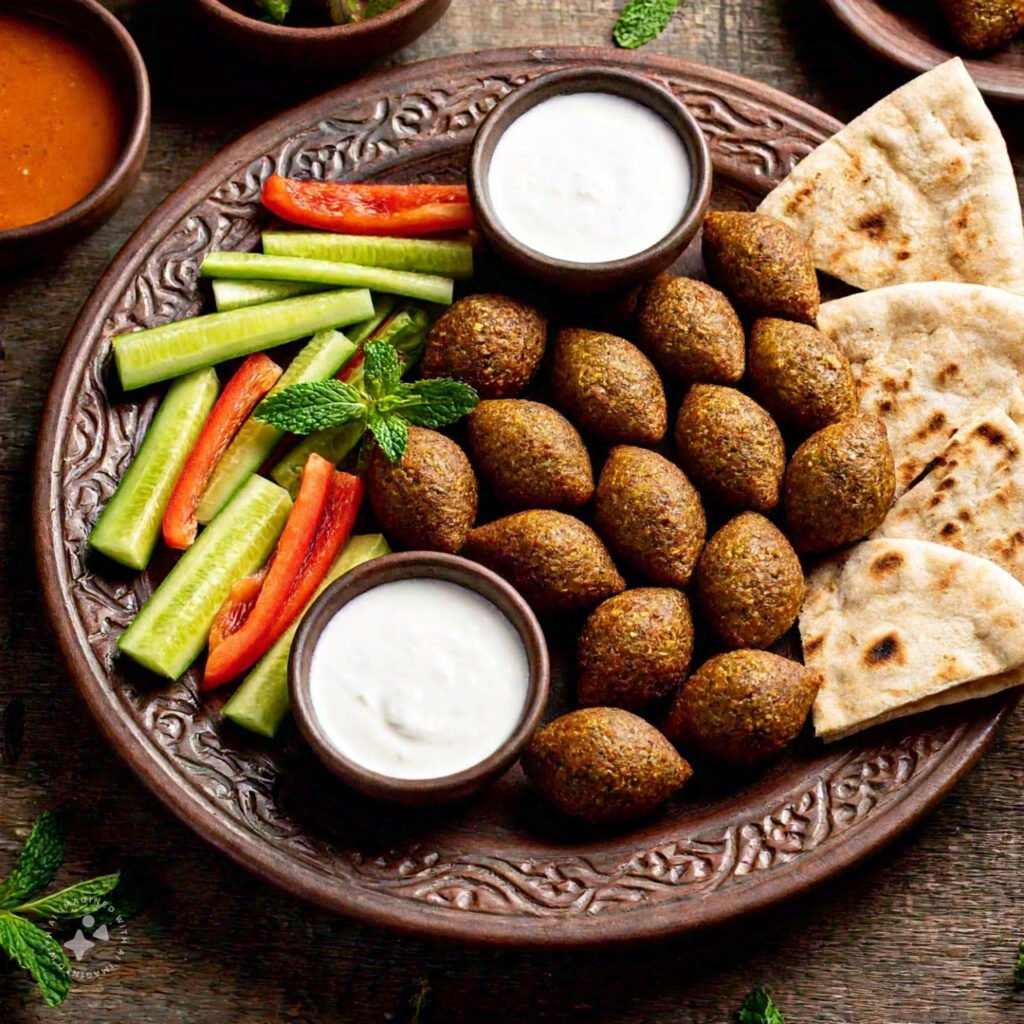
74, 122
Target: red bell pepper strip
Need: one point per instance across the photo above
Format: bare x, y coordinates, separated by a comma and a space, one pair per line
361, 209
253, 379
240, 602
286, 593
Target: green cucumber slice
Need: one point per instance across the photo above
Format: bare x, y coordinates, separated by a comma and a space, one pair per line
254, 442
260, 704
334, 444
383, 306
159, 353
129, 527
256, 266
174, 624
229, 295
424, 256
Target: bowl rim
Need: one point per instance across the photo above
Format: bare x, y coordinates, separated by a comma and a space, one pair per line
137, 108
353, 29
419, 565
619, 82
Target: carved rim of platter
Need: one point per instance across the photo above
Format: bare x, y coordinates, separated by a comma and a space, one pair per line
758, 855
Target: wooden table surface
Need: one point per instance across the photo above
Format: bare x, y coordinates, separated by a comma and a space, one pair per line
923, 933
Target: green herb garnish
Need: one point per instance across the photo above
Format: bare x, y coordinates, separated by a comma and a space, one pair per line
383, 403
25, 942
758, 1008
642, 21
1018, 973
274, 10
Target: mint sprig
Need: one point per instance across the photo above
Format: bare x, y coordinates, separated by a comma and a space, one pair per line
642, 21
25, 942
381, 402
758, 1008
1018, 973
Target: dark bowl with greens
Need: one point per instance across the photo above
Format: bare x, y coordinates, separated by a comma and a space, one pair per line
318, 36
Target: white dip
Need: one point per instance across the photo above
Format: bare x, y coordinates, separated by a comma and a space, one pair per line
418, 678
589, 177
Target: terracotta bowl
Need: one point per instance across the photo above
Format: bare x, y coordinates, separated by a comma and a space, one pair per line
425, 565
107, 37
614, 275
321, 49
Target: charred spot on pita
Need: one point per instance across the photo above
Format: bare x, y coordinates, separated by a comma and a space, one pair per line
874, 224
949, 530
993, 435
812, 645
887, 651
888, 563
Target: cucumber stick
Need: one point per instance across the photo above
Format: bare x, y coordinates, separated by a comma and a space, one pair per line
129, 527
333, 444
254, 442
159, 353
229, 295
255, 266
174, 624
260, 704
452, 259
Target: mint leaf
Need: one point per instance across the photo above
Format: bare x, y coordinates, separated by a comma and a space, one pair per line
314, 405
434, 403
758, 1008
39, 954
275, 10
74, 901
642, 21
390, 432
1018, 974
375, 7
39, 859
382, 369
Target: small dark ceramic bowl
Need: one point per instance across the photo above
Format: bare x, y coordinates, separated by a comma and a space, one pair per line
613, 275
108, 38
426, 565
318, 49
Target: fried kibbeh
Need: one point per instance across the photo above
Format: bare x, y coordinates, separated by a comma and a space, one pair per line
554, 560
839, 485
690, 331
762, 265
604, 766
742, 707
428, 500
492, 342
634, 648
608, 388
650, 515
730, 448
800, 376
529, 454
749, 582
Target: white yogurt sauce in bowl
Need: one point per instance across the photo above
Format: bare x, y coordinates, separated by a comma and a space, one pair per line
589, 177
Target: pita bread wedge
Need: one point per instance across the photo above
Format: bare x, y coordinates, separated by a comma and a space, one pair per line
918, 188
926, 358
901, 623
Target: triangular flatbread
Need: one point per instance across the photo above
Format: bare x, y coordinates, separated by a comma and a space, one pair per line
902, 622
917, 188
928, 357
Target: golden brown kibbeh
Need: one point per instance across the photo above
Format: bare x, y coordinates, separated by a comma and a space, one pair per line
839, 484
690, 331
650, 515
983, 24
742, 707
801, 377
605, 766
749, 582
553, 559
634, 648
762, 265
730, 448
608, 388
428, 500
492, 342
529, 455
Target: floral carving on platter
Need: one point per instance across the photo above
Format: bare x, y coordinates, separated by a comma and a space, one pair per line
414, 127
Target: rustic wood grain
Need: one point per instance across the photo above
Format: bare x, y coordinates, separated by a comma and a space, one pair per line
925, 933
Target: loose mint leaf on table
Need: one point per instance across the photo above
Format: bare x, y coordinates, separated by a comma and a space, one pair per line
37, 863
74, 901
391, 433
39, 954
758, 1008
315, 405
382, 369
642, 21
1018, 974
434, 403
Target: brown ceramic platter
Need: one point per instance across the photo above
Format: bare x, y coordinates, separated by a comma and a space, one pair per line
495, 869
914, 35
